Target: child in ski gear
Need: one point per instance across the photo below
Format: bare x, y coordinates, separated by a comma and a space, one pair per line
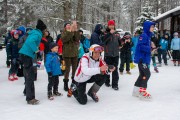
153, 53
86, 44
175, 46
28, 51
125, 54
70, 39
14, 55
163, 47
21, 31
143, 58
91, 69
111, 45
53, 69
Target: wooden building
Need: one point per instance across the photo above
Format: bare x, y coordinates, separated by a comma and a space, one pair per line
174, 21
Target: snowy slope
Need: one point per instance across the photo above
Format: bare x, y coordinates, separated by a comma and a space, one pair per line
113, 105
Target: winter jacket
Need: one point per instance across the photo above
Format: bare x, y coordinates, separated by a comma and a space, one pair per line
96, 35
81, 50
44, 45
87, 68
60, 44
31, 45
143, 48
53, 64
134, 41
13, 48
126, 47
86, 45
111, 44
175, 44
70, 43
163, 44
23, 29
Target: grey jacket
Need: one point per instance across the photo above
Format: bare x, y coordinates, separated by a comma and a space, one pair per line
112, 44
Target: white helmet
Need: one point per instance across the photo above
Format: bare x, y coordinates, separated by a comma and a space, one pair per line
95, 47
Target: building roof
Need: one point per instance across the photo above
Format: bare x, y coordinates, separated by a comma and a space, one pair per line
173, 12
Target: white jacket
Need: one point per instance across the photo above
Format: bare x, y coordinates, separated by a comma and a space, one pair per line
87, 68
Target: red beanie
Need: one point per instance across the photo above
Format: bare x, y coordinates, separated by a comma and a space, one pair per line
111, 22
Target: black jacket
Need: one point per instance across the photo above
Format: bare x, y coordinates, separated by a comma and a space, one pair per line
111, 44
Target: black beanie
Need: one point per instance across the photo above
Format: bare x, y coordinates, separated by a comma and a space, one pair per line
52, 45
40, 25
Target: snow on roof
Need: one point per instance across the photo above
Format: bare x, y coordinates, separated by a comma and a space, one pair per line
167, 14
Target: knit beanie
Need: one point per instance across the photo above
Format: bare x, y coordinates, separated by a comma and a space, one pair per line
40, 25
111, 22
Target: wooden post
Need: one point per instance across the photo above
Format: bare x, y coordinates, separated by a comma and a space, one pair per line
172, 25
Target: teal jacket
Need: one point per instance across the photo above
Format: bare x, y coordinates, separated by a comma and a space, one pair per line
31, 45
81, 51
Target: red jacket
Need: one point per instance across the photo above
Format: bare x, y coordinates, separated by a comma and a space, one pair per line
60, 44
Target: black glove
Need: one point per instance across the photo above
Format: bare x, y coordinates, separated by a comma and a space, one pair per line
49, 74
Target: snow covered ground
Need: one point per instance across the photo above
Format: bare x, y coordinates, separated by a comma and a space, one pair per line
113, 105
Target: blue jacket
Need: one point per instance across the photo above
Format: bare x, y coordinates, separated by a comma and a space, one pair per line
96, 35
175, 44
143, 48
31, 45
53, 64
23, 29
86, 43
81, 50
164, 44
12, 48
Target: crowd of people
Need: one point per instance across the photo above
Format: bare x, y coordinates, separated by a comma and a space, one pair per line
91, 58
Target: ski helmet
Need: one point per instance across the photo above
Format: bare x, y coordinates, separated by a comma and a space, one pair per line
95, 48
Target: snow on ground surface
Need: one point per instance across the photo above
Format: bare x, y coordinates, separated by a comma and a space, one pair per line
113, 105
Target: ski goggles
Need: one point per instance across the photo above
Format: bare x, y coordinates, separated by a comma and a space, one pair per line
97, 49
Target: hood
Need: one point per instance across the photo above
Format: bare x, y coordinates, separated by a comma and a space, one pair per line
98, 28
36, 32
147, 26
23, 29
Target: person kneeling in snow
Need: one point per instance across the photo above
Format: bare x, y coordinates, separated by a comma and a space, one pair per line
91, 69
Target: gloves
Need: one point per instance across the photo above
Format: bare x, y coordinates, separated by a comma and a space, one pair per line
49, 74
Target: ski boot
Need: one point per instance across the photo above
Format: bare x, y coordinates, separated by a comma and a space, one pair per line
144, 95
135, 91
93, 96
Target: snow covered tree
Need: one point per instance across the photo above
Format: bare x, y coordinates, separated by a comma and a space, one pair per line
146, 14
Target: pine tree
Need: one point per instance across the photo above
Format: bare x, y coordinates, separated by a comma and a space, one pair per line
146, 14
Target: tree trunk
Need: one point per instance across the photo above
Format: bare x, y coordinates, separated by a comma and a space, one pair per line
67, 10
79, 16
